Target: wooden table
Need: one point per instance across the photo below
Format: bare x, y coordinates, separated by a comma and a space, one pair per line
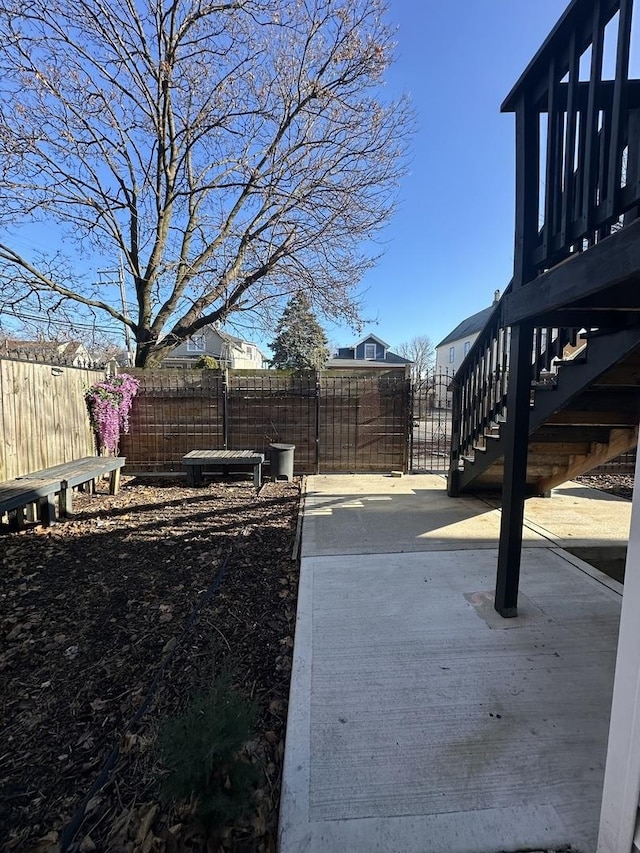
197, 460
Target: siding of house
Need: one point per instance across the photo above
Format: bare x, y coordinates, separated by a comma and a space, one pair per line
360, 350
444, 364
212, 346
620, 815
239, 355
460, 348
245, 357
451, 351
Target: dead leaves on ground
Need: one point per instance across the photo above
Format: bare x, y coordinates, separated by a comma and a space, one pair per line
92, 609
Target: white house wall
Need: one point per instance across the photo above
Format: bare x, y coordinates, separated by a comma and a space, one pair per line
619, 819
244, 361
444, 365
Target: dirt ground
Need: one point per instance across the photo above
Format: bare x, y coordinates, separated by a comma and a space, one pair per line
109, 622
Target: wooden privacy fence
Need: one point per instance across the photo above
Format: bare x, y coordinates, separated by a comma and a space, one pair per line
338, 424
43, 415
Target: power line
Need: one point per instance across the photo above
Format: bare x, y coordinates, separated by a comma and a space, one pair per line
49, 320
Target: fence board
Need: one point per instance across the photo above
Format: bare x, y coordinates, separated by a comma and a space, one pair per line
43, 415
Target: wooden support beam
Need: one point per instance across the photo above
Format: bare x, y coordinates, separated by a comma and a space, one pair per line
514, 490
615, 260
562, 434
575, 417
588, 317
621, 441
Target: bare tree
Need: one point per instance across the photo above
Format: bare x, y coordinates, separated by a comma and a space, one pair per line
420, 351
232, 152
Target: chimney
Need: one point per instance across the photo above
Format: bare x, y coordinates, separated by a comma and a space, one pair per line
496, 297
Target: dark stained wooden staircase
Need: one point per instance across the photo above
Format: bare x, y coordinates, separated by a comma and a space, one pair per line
551, 386
582, 415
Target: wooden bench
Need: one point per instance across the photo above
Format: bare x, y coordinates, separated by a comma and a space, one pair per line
40, 487
17, 494
81, 472
197, 460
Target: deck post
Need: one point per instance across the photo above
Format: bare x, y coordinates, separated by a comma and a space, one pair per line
453, 475
516, 431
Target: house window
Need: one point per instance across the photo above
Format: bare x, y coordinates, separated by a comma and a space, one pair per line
370, 351
467, 346
452, 354
196, 343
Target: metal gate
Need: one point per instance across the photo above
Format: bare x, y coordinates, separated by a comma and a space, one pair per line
430, 435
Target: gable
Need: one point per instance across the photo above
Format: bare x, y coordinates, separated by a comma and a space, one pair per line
369, 350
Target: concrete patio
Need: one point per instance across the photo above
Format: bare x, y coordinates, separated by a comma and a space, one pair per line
419, 720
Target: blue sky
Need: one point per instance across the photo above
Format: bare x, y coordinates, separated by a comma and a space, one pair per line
450, 244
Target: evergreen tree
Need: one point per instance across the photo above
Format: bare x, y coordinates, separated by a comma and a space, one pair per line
300, 342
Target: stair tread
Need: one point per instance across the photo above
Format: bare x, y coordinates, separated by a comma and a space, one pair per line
571, 362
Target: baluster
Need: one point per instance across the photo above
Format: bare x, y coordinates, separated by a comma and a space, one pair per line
618, 108
590, 168
548, 350
569, 155
537, 360
551, 167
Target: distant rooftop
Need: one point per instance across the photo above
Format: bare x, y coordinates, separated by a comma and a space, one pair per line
474, 323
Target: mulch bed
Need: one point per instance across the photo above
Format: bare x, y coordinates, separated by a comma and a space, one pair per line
100, 642
615, 484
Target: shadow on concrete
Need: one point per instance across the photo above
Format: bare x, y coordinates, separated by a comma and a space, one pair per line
609, 559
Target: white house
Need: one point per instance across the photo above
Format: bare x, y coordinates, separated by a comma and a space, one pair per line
620, 811
225, 348
452, 350
72, 353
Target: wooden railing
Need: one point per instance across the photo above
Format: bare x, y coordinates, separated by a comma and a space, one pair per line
577, 137
480, 385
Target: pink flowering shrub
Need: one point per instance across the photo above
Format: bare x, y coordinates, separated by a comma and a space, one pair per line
109, 405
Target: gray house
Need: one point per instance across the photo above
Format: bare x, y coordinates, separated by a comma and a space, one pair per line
369, 354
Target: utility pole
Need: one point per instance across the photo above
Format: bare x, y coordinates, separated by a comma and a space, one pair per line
123, 299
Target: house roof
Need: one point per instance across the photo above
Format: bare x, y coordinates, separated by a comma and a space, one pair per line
473, 324
59, 352
371, 337
365, 364
348, 361
43, 346
230, 339
233, 339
